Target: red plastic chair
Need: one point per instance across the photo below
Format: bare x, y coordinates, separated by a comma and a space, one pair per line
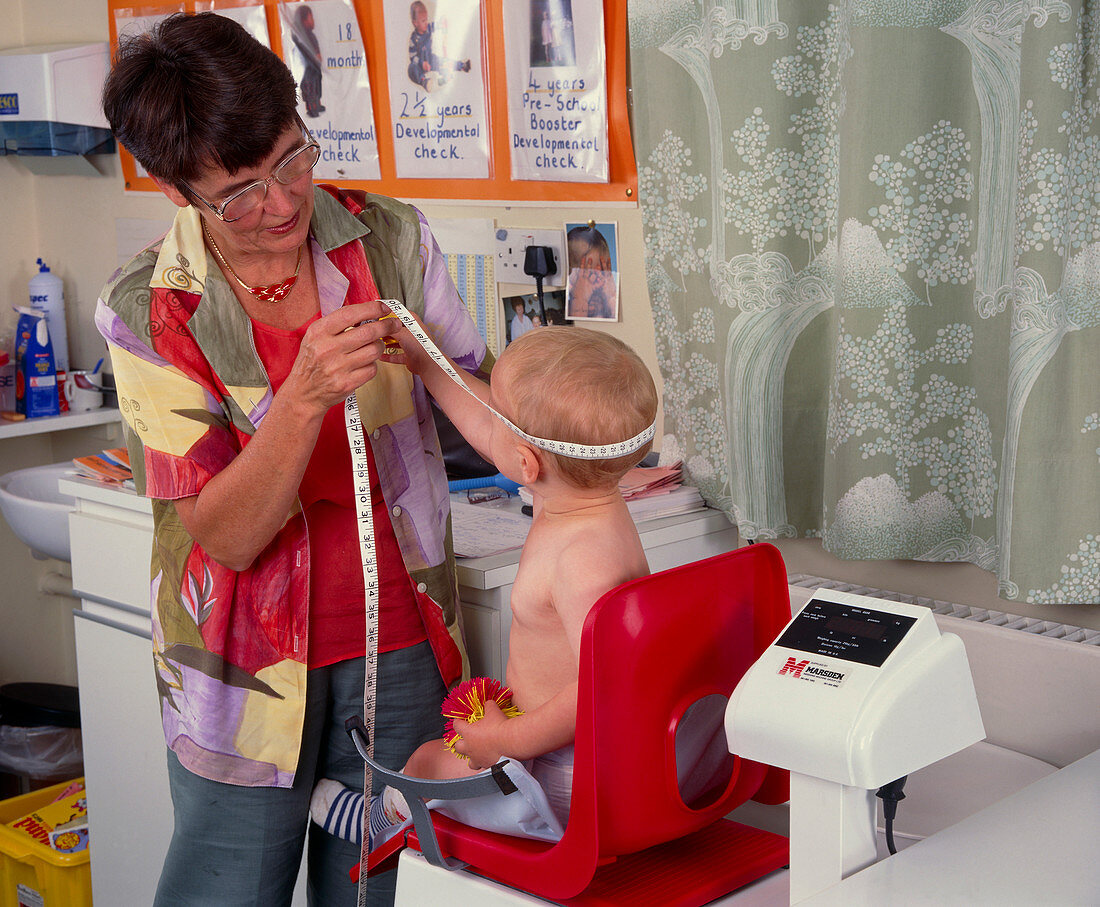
650, 649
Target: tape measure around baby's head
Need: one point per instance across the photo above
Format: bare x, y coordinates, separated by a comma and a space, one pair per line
563, 448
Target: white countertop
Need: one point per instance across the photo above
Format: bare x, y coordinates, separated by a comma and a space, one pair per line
86, 489
102, 416
1038, 846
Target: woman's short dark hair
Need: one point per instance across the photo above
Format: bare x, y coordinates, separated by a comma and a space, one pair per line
198, 91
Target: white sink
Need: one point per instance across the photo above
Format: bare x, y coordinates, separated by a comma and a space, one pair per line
36, 511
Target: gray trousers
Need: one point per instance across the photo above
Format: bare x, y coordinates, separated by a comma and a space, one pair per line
243, 845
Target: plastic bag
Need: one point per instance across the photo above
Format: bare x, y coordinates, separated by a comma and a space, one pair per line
41, 752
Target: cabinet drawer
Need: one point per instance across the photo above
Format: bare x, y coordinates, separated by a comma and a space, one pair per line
110, 559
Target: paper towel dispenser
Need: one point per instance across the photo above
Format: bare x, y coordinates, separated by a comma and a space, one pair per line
50, 101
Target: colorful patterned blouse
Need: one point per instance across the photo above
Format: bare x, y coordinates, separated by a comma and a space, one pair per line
230, 647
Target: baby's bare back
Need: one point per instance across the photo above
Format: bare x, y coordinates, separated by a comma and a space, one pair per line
569, 561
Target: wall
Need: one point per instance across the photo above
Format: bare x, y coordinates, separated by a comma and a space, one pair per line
70, 221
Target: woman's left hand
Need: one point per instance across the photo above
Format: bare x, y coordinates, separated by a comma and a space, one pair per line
481, 739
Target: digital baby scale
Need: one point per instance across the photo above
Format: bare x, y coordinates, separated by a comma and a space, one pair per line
856, 693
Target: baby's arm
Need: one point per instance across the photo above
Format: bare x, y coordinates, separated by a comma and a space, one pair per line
471, 418
549, 727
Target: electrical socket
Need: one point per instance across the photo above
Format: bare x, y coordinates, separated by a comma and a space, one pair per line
512, 246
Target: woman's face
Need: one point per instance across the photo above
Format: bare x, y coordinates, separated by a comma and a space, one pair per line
281, 223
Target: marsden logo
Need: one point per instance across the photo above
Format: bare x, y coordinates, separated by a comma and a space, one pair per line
794, 668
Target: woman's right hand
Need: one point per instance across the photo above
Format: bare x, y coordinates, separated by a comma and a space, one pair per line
339, 353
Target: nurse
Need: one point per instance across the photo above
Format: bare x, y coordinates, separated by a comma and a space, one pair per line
234, 341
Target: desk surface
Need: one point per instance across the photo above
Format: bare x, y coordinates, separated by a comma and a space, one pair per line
1038, 846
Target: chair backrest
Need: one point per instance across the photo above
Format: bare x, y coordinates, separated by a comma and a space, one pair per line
651, 648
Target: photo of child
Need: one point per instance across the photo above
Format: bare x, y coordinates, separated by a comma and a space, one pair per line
592, 286
521, 313
552, 42
429, 66
305, 40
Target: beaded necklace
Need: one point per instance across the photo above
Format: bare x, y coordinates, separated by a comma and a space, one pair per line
275, 292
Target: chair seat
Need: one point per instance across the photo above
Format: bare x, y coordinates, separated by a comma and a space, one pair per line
687, 872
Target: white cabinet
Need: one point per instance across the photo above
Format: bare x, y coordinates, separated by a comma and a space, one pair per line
124, 760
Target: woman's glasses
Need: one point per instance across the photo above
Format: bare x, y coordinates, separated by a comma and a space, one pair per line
289, 170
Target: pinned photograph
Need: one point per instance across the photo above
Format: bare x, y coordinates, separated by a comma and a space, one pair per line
523, 314
593, 283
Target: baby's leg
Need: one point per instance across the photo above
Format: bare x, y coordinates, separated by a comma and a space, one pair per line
339, 810
434, 760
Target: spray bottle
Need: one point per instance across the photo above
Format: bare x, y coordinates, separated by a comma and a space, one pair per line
47, 293
35, 372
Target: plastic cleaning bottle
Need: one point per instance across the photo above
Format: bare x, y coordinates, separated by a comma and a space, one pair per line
47, 293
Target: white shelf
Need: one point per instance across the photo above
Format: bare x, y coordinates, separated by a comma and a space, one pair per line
102, 416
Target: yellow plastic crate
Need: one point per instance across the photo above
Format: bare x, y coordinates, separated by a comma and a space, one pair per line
33, 875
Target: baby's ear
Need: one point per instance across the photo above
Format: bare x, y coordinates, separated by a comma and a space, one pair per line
529, 465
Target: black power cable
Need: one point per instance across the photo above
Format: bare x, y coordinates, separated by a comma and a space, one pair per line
538, 262
890, 794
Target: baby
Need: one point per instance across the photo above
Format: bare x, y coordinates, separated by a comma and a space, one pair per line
566, 384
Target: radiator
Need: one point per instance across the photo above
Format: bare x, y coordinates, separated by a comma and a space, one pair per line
964, 612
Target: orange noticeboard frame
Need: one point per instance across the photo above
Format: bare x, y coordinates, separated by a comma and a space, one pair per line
622, 184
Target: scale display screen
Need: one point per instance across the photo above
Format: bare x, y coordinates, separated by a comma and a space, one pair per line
854, 634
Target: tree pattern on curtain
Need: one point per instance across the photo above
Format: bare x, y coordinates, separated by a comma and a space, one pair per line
873, 251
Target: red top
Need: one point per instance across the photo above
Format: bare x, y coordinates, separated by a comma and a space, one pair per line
337, 615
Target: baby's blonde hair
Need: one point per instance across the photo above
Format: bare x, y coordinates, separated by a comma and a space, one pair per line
580, 386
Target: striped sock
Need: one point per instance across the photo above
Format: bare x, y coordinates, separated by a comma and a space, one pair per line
379, 820
338, 810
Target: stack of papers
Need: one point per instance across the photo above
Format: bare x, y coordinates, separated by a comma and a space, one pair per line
651, 492
112, 468
682, 499
644, 481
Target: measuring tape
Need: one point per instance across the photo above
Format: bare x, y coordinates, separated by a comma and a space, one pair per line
364, 522
357, 442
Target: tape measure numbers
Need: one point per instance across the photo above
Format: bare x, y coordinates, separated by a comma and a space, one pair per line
364, 520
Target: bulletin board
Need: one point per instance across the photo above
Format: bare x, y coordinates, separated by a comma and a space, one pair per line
501, 176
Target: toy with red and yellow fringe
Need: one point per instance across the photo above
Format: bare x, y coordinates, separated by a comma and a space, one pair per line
467, 702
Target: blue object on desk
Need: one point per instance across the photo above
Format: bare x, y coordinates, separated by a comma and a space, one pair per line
497, 481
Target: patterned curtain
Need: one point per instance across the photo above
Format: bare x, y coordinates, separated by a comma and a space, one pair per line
872, 238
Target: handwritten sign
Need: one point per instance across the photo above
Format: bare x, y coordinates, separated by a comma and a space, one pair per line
323, 47
437, 88
557, 91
